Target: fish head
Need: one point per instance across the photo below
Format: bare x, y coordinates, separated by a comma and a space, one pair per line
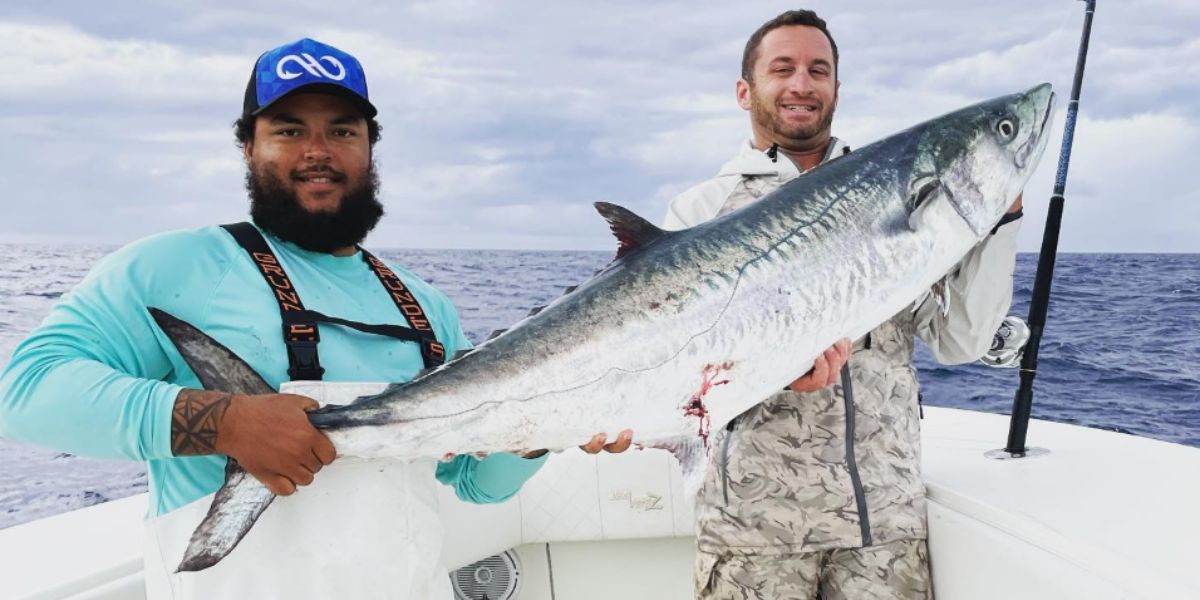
979, 158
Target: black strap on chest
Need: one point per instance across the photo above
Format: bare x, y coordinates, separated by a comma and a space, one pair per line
300, 331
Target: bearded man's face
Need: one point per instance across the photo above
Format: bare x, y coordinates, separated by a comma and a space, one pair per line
310, 174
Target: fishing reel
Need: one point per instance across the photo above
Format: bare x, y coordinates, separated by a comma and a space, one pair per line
1008, 345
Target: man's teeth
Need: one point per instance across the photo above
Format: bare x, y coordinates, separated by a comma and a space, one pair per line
800, 108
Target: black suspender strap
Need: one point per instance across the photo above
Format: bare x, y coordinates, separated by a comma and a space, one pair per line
300, 332
432, 351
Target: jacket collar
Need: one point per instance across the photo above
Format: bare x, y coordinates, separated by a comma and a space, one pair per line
751, 161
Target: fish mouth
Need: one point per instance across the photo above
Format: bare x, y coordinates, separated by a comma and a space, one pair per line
1036, 143
1046, 114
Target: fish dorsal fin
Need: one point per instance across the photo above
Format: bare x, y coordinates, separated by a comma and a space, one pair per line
495, 334
535, 310
632, 231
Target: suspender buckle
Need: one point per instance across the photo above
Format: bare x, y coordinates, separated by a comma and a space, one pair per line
301, 336
303, 361
300, 332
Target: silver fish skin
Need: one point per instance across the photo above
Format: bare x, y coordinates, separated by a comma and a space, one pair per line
686, 330
690, 330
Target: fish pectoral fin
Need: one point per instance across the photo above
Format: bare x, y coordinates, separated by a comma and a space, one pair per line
235, 508
692, 454
632, 231
216, 366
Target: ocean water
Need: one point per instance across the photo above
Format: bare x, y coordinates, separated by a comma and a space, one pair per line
1119, 351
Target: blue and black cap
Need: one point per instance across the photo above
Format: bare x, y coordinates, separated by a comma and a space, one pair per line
310, 66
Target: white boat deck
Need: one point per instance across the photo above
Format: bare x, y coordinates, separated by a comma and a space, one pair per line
1103, 515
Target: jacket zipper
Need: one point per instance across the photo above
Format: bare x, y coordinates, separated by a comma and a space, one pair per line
860, 497
725, 461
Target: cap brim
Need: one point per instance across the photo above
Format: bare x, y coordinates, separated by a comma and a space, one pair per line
332, 89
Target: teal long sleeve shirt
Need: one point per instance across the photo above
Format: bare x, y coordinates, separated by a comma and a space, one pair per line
98, 378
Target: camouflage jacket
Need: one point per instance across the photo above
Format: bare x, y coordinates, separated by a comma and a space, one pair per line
838, 467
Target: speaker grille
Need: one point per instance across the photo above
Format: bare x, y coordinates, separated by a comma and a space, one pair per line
493, 578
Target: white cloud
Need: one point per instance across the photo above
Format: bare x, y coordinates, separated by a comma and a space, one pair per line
503, 123
710, 141
446, 184
995, 70
1129, 186
60, 64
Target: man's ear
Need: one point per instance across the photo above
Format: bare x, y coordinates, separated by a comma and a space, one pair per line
248, 150
743, 94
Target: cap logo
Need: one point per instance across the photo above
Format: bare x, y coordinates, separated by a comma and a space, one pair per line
314, 67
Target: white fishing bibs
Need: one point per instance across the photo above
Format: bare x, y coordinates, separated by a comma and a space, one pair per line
362, 530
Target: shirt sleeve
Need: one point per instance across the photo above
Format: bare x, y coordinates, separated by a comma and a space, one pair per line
675, 220
980, 294
88, 380
496, 478
698, 203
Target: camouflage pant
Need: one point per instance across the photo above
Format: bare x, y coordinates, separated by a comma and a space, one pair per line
897, 570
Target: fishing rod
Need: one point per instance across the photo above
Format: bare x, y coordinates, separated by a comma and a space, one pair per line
1023, 401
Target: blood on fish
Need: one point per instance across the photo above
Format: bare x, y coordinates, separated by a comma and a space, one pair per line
695, 407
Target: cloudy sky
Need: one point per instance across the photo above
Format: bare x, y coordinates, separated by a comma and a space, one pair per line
503, 121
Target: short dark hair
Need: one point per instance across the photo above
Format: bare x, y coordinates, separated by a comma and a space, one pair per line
807, 18
243, 130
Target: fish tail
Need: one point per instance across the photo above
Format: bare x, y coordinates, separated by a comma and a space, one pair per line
235, 508
242, 498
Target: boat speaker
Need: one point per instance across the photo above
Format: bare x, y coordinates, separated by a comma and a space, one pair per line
493, 578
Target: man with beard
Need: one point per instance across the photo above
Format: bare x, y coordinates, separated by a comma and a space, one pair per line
99, 378
817, 492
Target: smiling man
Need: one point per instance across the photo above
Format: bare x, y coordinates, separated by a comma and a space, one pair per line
99, 378
816, 492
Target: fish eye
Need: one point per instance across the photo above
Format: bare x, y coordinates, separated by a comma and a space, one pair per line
1006, 128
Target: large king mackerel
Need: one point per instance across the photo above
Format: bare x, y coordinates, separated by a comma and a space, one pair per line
685, 330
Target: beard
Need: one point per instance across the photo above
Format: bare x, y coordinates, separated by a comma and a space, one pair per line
764, 112
276, 209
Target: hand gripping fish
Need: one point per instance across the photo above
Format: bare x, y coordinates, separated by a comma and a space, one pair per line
684, 330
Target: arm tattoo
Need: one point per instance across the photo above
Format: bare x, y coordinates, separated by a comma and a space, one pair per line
195, 420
